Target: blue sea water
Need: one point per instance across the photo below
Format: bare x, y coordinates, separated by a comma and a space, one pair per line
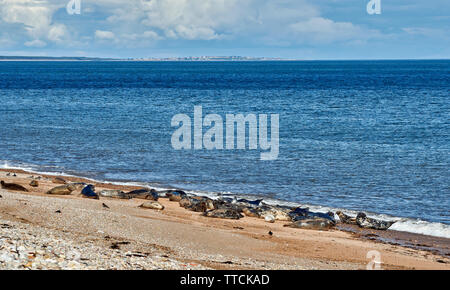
359, 135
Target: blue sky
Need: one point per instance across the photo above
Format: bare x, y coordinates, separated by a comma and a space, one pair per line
300, 29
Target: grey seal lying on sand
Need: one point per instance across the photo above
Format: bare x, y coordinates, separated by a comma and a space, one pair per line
197, 204
59, 180
66, 189
114, 194
152, 205
317, 223
175, 195
223, 214
345, 219
144, 193
368, 223
13, 186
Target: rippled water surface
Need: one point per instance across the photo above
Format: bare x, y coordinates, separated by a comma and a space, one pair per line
358, 135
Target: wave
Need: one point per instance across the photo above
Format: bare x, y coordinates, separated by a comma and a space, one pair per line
410, 225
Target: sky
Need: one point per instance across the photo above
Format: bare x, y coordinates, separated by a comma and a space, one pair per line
292, 29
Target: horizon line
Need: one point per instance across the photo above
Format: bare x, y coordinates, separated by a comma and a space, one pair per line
196, 58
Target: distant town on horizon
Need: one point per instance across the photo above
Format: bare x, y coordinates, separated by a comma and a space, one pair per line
189, 58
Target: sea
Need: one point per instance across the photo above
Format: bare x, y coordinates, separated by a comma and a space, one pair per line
370, 136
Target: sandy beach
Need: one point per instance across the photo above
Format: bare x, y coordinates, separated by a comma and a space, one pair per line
39, 231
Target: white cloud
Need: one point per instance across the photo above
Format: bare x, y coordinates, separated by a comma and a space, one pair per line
57, 32
35, 16
143, 22
35, 43
427, 32
106, 35
322, 30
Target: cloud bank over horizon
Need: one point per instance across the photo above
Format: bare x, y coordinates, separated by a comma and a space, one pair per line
303, 29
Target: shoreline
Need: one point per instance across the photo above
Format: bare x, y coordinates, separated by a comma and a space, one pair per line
241, 241
410, 225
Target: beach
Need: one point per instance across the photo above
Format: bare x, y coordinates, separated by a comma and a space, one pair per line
118, 234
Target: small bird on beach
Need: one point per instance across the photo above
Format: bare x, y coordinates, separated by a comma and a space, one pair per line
58, 211
105, 206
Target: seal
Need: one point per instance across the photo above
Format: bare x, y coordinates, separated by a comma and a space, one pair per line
144, 193
345, 219
152, 205
34, 183
89, 192
321, 224
63, 189
251, 212
269, 218
114, 194
223, 214
278, 213
175, 195
197, 203
303, 213
257, 202
13, 186
59, 180
369, 223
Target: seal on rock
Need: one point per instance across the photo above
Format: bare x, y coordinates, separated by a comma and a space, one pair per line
345, 219
13, 186
223, 214
152, 205
369, 223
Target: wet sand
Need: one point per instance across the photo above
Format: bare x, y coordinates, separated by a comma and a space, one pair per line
213, 243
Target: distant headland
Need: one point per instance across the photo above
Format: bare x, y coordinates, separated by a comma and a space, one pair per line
189, 58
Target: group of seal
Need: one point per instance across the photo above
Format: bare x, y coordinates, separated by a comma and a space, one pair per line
223, 207
364, 222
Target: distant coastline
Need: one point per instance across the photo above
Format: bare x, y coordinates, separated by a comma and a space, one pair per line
168, 59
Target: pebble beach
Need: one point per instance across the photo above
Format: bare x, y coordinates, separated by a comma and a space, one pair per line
40, 231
